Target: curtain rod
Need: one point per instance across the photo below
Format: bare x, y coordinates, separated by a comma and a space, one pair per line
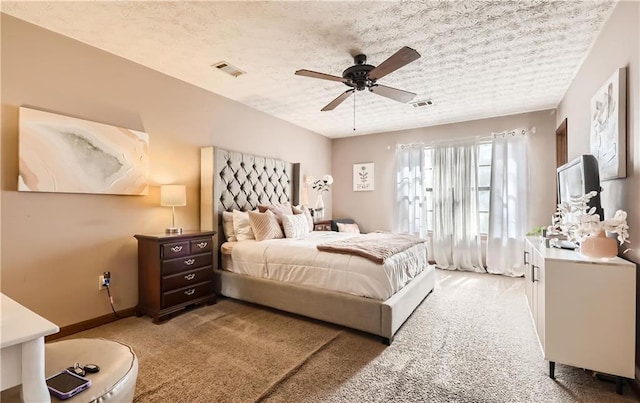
468, 139
515, 132
443, 141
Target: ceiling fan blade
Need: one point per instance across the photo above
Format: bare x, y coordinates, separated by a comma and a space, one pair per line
331, 105
401, 58
393, 93
315, 74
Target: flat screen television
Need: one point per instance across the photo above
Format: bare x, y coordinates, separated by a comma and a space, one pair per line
579, 177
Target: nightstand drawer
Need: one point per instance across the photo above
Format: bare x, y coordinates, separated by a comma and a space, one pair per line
185, 263
173, 250
201, 245
322, 227
186, 294
187, 278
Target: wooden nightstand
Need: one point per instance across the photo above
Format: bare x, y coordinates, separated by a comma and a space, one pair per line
330, 225
323, 225
174, 271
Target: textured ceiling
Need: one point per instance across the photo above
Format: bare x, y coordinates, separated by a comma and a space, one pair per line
479, 58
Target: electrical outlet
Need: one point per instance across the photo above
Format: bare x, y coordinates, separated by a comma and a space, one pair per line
104, 280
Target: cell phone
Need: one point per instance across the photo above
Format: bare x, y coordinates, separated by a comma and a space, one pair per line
65, 384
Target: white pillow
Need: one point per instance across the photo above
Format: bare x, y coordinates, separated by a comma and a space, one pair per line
302, 209
227, 226
241, 226
295, 225
353, 228
265, 225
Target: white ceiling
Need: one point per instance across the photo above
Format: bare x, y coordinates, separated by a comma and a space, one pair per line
479, 58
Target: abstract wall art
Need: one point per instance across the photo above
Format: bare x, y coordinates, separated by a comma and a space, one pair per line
363, 177
68, 155
609, 126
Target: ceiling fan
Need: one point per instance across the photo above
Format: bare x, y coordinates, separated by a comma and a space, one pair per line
362, 76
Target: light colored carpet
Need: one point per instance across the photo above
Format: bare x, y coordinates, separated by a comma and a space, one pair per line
227, 352
471, 340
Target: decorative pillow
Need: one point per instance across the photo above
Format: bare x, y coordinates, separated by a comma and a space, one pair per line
353, 228
295, 225
227, 247
241, 226
227, 226
265, 225
302, 209
279, 209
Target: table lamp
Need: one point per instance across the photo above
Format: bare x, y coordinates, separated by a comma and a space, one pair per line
173, 195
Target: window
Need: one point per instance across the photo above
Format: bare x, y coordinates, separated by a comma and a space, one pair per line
484, 185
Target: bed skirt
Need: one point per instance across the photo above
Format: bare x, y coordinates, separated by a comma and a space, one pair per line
381, 318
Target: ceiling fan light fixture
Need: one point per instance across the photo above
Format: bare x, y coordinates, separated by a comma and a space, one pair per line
363, 76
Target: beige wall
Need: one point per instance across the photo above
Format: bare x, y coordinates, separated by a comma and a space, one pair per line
618, 45
55, 245
374, 210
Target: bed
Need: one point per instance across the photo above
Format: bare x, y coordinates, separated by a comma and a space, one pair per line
233, 180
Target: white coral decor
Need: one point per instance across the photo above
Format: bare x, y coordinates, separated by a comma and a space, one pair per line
618, 224
577, 220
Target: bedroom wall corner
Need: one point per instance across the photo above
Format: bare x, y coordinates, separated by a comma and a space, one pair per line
617, 45
60, 243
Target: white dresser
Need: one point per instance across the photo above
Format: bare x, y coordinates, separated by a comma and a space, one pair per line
583, 309
22, 350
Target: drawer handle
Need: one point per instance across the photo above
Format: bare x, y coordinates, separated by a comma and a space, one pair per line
202, 245
176, 248
190, 276
189, 262
190, 291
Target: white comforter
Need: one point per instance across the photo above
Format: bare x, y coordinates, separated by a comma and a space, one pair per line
298, 261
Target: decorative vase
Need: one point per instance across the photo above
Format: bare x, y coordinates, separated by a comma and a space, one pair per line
319, 209
599, 246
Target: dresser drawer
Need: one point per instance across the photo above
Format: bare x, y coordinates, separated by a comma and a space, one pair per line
186, 294
175, 266
201, 245
173, 250
187, 278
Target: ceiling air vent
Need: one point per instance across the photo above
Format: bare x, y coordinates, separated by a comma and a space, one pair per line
229, 69
422, 104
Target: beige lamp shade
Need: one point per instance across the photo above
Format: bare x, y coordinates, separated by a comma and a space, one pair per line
173, 195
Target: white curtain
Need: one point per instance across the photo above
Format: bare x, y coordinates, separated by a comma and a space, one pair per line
409, 214
508, 204
456, 223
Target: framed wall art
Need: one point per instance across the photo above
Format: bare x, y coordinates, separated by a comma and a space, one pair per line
609, 126
69, 155
363, 177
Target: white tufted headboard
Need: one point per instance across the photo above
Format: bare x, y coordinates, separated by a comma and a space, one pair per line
233, 180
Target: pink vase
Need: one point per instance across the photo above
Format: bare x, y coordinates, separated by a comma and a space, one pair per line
599, 246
